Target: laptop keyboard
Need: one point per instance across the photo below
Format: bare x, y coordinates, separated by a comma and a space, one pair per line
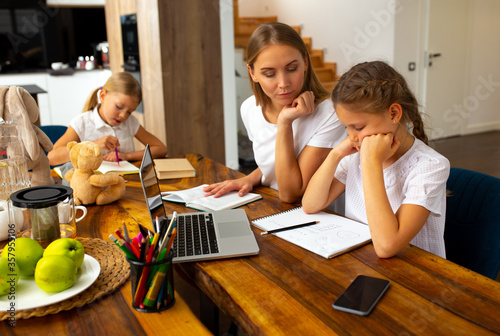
195, 235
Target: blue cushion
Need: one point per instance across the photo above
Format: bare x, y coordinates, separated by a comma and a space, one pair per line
54, 132
472, 232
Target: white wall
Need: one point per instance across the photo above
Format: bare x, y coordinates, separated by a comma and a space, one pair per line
350, 31
228, 84
484, 86
407, 20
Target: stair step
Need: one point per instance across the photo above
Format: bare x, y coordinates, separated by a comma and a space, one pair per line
331, 65
316, 61
246, 25
318, 52
329, 86
308, 42
297, 29
325, 74
241, 40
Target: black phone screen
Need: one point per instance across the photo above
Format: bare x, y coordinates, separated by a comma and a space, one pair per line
361, 295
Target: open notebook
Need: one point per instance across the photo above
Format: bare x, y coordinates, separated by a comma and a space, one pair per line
123, 168
333, 235
195, 198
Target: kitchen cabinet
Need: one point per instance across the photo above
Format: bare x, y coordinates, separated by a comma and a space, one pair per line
65, 95
75, 3
36, 78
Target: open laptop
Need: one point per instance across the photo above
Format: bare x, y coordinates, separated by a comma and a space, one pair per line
227, 232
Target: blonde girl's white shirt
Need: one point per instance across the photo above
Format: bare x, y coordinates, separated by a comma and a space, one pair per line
418, 177
321, 128
89, 126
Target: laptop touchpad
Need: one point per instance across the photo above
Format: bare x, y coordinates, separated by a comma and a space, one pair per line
233, 229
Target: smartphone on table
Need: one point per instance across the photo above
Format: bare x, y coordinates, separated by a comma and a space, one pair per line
362, 295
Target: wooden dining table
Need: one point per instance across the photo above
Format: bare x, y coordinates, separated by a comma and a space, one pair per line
284, 290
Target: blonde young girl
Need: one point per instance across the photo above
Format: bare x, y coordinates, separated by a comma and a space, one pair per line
108, 122
392, 179
290, 121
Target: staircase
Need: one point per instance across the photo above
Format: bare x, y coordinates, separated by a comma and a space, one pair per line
326, 71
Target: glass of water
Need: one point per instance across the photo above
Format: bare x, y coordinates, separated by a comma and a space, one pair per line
13, 168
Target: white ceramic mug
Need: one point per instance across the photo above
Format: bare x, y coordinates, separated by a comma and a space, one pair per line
65, 213
4, 221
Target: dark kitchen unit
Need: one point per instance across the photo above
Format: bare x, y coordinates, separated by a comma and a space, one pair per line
32, 35
130, 41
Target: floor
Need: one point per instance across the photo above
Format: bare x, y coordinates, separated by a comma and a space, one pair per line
478, 152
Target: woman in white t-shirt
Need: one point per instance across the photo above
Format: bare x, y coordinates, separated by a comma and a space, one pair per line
290, 121
108, 121
392, 179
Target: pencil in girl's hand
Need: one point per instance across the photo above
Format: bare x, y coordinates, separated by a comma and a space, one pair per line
117, 157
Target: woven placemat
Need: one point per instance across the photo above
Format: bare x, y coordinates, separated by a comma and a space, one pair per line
115, 270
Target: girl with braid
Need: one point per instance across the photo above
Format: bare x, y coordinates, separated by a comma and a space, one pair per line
393, 181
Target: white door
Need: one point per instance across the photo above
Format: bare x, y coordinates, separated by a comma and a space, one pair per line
445, 66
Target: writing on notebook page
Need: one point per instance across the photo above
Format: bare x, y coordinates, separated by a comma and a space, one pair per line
333, 235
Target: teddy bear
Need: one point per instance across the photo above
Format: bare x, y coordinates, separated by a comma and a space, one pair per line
88, 186
17, 105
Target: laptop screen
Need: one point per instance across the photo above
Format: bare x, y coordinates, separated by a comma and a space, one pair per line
151, 187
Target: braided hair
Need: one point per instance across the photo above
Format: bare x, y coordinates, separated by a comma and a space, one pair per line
372, 87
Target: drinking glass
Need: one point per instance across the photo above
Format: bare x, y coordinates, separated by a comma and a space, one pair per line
13, 168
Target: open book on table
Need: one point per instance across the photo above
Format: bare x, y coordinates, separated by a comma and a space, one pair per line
333, 235
195, 198
124, 167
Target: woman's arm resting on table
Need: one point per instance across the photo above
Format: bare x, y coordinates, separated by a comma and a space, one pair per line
243, 185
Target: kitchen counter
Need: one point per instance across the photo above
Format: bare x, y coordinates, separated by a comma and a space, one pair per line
65, 95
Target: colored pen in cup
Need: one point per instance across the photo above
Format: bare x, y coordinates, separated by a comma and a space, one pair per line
132, 248
117, 157
121, 245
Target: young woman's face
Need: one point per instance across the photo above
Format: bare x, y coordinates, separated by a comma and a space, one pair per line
116, 107
279, 69
362, 124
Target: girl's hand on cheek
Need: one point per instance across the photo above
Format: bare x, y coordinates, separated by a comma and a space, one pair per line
302, 105
345, 148
379, 147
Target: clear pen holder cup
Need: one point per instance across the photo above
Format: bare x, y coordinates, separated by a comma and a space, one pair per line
46, 213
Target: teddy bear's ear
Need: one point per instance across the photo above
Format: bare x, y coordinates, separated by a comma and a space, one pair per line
70, 145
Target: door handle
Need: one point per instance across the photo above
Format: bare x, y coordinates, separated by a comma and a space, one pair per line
431, 56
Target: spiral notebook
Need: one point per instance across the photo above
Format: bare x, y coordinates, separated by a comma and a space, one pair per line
332, 236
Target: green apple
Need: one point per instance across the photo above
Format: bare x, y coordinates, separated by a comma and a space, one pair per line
55, 273
9, 275
25, 252
68, 247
